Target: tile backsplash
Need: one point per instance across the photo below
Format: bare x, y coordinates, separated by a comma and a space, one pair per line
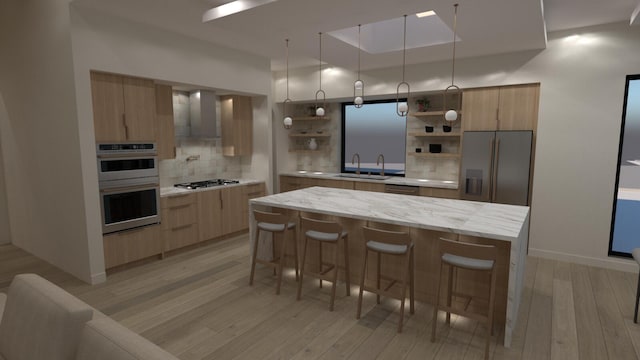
198, 159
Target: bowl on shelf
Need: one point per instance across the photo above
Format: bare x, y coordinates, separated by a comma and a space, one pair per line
435, 148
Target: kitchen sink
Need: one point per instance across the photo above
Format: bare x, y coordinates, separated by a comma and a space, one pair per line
364, 176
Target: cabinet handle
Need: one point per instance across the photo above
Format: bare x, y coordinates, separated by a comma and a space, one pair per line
494, 192
179, 206
176, 228
174, 152
129, 231
221, 201
255, 193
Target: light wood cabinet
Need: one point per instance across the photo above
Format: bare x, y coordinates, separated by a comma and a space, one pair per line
250, 192
233, 216
132, 245
512, 107
124, 108
166, 142
290, 183
367, 186
210, 214
440, 193
331, 183
236, 114
179, 221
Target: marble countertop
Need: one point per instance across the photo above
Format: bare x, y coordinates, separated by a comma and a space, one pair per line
171, 190
395, 180
494, 221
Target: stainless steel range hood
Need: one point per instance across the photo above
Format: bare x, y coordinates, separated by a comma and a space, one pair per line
203, 113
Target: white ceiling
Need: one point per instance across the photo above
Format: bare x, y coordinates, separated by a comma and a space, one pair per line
484, 27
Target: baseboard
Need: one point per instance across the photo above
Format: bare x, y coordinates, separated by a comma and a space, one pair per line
98, 278
614, 264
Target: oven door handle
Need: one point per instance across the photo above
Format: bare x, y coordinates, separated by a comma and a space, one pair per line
129, 188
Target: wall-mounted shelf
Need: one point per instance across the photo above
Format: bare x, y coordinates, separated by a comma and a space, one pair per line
430, 113
428, 155
434, 134
311, 118
306, 151
310, 135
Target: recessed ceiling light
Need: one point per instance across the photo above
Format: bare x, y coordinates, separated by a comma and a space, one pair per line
232, 8
426, 13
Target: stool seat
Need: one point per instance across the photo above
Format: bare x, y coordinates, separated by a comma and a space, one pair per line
469, 256
323, 236
276, 224
275, 227
467, 263
329, 233
387, 248
391, 244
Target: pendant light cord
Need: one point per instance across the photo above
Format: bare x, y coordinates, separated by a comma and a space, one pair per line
455, 27
359, 25
320, 64
287, 40
404, 46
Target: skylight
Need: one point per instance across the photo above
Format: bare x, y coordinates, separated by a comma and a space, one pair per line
386, 35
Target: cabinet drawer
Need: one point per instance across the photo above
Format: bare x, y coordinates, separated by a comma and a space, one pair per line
439, 193
128, 246
177, 200
180, 236
179, 216
254, 190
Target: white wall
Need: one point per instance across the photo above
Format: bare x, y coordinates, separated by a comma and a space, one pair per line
582, 75
109, 44
39, 137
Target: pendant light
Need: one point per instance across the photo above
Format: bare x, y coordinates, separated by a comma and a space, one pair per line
402, 108
452, 114
288, 121
358, 85
320, 109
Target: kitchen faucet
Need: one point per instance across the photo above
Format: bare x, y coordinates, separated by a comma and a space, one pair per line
378, 163
356, 155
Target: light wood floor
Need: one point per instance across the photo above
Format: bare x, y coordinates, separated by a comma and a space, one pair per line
198, 305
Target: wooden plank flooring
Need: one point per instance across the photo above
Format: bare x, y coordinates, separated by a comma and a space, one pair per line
198, 305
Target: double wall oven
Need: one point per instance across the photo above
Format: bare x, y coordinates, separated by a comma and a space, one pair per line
129, 185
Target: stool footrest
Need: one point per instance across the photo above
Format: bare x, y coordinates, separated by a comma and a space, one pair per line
465, 313
382, 292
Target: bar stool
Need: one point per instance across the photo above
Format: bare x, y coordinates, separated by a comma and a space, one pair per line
274, 223
325, 232
467, 256
395, 244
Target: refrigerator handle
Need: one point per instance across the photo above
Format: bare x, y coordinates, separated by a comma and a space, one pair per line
494, 191
491, 159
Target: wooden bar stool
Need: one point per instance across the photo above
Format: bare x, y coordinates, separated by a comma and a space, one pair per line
274, 223
325, 232
395, 244
467, 256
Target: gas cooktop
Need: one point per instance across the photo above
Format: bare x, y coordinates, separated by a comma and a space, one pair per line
206, 183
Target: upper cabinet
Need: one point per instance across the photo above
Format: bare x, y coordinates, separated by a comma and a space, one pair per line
236, 114
501, 108
164, 116
124, 108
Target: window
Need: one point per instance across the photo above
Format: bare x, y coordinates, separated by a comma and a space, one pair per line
370, 131
625, 226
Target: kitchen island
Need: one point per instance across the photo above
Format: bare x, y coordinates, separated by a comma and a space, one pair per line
427, 219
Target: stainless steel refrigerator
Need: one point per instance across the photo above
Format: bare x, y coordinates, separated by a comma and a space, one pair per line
495, 166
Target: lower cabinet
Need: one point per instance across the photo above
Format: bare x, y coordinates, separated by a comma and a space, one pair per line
368, 186
204, 215
440, 193
210, 214
179, 221
128, 246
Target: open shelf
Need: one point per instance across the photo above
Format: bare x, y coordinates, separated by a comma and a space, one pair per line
306, 151
430, 113
310, 135
310, 118
429, 155
434, 134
